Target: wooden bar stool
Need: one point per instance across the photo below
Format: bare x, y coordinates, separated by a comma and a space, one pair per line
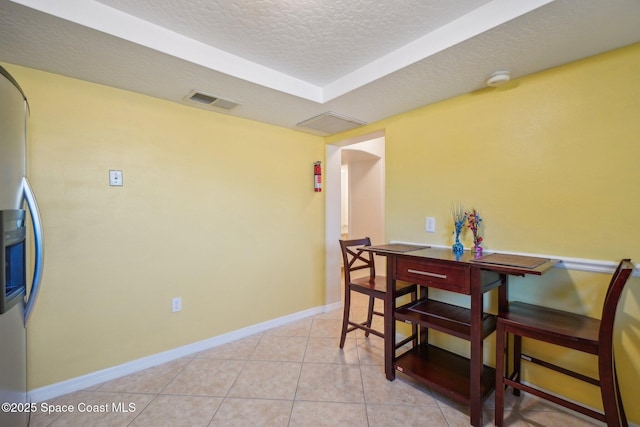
372, 285
569, 330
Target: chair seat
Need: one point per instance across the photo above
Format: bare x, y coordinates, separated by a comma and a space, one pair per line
554, 326
379, 283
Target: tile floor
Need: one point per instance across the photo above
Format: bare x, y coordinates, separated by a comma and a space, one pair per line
294, 375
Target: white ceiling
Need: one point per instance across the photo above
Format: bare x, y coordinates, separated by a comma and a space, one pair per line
285, 61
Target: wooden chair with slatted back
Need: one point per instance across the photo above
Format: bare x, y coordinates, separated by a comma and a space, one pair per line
373, 285
568, 330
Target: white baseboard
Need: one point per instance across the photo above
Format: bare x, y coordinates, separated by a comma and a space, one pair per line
334, 306
79, 383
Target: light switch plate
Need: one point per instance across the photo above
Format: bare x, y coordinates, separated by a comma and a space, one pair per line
115, 178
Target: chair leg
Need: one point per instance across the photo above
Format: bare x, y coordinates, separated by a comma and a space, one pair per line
623, 416
610, 391
501, 371
345, 316
517, 361
370, 314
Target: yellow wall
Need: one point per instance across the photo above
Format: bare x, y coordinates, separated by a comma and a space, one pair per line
217, 210
207, 214
551, 161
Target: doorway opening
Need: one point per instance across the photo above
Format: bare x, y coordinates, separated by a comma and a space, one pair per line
355, 171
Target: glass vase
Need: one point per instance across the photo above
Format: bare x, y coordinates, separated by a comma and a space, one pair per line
457, 247
477, 251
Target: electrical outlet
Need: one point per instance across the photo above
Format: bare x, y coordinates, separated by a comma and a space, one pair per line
115, 178
430, 225
176, 304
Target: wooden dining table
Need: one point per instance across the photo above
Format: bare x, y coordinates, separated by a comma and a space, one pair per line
464, 379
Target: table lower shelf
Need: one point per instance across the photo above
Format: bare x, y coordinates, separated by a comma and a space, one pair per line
444, 317
445, 372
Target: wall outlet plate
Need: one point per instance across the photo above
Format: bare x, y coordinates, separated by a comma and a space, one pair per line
115, 178
430, 225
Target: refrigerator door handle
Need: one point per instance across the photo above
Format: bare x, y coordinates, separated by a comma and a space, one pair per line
38, 246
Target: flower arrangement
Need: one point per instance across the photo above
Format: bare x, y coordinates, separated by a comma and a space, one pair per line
473, 223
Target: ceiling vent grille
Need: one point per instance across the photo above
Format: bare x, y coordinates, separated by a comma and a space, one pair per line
331, 123
205, 100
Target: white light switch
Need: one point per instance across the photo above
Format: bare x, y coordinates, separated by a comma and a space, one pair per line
430, 225
115, 178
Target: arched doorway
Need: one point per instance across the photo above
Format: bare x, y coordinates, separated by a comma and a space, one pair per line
365, 157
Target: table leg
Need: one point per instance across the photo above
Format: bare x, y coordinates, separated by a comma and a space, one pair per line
389, 322
476, 348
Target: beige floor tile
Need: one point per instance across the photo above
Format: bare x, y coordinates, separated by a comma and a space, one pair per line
459, 416
377, 389
98, 409
236, 350
326, 328
445, 401
524, 402
323, 386
178, 411
327, 350
151, 380
371, 350
330, 383
513, 419
267, 380
533, 409
327, 414
405, 416
278, 348
298, 328
205, 377
253, 412
556, 418
42, 419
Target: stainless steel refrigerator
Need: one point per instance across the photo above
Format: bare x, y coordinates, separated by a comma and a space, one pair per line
18, 210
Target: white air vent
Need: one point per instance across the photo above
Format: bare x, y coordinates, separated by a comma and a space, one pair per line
206, 100
331, 123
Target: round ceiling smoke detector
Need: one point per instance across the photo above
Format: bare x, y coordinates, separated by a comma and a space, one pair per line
498, 78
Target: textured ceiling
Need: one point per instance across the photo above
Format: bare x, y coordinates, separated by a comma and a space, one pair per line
285, 61
304, 39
